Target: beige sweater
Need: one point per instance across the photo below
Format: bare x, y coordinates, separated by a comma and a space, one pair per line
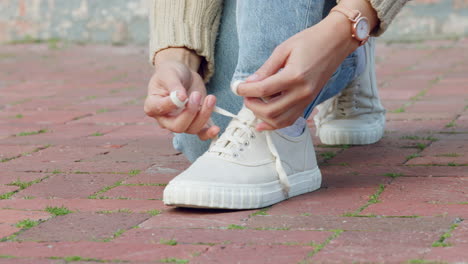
194, 24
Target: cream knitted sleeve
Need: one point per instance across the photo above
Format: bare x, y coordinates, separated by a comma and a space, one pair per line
185, 23
386, 11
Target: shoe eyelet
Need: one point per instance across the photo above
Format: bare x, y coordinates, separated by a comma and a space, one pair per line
246, 143
241, 149
252, 136
235, 155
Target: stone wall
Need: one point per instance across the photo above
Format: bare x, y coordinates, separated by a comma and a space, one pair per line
125, 21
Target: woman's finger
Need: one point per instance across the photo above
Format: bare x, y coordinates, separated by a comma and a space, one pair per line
267, 87
182, 121
203, 116
275, 62
208, 133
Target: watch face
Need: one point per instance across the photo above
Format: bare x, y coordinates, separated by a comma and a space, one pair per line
362, 28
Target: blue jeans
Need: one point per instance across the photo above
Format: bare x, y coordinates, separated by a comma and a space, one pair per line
249, 32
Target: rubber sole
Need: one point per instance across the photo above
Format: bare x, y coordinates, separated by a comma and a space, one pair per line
334, 135
238, 196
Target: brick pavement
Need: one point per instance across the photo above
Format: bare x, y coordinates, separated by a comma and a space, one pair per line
82, 170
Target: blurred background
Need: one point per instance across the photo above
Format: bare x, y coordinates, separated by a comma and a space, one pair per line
124, 21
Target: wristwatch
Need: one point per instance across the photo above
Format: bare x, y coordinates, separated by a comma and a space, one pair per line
359, 24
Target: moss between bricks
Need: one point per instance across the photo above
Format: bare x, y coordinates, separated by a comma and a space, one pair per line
56, 211
422, 261
24, 225
30, 133
430, 138
319, 247
393, 175
441, 241
123, 210
262, 211
170, 242
105, 189
78, 258
116, 234
236, 227
25, 154
374, 198
27, 224
21, 185
174, 260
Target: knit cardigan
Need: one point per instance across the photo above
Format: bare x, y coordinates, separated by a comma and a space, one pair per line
194, 24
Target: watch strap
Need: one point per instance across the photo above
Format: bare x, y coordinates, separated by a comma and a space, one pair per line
351, 14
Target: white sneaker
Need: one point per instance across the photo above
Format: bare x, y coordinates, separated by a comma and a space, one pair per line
246, 169
356, 115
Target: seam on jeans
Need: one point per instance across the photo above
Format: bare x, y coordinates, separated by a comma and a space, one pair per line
307, 18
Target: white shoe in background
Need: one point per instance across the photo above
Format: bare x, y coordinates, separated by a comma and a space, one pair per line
356, 115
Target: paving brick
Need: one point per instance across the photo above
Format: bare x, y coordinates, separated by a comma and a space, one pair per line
8, 152
353, 177
385, 224
138, 152
135, 192
7, 177
344, 200
423, 196
58, 154
253, 254
99, 250
223, 236
365, 175
117, 118
416, 126
193, 218
150, 178
67, 134
44, 117
372, 247
32, 261
7, 189
7, 230
82, 226
74, 167
459, 235
449, 149
454, 254
70, 185
461, 125
415, 116
84, 205
14, 216
371, 156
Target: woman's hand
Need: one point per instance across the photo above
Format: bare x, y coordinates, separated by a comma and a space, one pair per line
292, 77
307, 61
172, 74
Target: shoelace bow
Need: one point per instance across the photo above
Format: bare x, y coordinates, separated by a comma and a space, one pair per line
237, 138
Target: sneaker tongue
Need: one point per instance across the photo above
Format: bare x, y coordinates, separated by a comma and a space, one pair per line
246, 115
243, 116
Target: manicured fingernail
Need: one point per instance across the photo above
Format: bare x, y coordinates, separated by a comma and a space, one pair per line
195, 98
181, 96
259, 127
211, 101
252, 78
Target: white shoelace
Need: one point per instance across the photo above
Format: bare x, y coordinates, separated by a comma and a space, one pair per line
236, 138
